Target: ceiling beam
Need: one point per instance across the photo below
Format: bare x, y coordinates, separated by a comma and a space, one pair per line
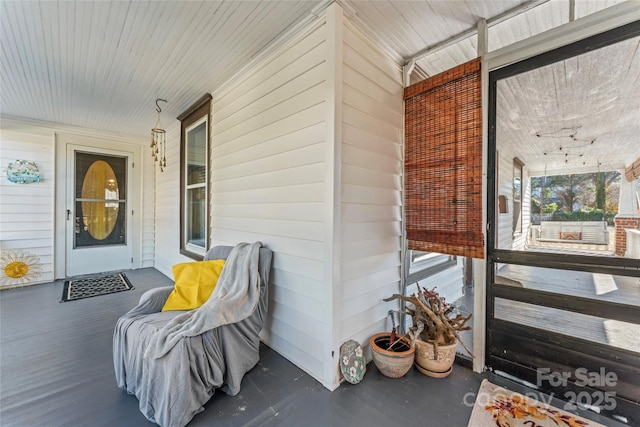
599, 22
473, 31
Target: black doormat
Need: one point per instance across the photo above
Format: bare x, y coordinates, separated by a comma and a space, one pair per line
93, 286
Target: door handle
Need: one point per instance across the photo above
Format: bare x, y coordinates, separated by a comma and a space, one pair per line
68, 214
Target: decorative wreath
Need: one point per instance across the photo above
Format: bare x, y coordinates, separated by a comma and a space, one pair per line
23, 172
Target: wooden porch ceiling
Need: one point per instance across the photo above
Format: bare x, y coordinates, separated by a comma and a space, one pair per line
578, 115
101, 65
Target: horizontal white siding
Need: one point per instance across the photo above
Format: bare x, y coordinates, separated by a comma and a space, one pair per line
371, 194
28, 213
449, 284
523, 240
274, 179
167, 206
505, 238
268, 145
148, 211
26, 210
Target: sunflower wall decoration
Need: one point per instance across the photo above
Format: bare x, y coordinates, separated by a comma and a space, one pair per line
18, 268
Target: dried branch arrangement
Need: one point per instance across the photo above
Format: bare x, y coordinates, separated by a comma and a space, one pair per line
433, 319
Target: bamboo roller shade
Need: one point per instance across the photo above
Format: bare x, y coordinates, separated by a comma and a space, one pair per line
633, 171
443, 162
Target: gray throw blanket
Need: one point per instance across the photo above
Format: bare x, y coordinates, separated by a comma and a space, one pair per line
234, 298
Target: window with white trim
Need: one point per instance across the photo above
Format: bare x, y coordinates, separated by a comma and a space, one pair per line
194, 179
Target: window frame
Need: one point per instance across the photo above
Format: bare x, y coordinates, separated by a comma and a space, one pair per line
194, 116
435, 263
518, 166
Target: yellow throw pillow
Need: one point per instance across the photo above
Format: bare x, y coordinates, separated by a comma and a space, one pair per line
195, 282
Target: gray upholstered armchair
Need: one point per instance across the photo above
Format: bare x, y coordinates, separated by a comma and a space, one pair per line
172, 386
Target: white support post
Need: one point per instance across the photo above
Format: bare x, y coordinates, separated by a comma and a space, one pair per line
572, 10
407, 69
333, 219
479, 266
483, 38
627, 202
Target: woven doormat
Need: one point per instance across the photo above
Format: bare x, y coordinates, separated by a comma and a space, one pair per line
93, 286
497, 406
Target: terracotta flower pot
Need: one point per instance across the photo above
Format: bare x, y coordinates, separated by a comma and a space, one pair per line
429, 364
392, 363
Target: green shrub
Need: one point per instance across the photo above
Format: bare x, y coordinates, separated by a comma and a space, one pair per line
586, 215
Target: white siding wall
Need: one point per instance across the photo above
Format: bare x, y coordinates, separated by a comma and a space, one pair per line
167, 208
371, 198
26, 210
27, 219
306, 157
449, 283
523, 239
148, 210
505, 239
268, 183
268, 168
504, 163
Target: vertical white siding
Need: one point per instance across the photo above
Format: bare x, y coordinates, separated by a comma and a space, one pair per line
26, 210
371, 196
268, 184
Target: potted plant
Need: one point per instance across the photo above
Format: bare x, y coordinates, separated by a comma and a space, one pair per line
392, 355
435, 330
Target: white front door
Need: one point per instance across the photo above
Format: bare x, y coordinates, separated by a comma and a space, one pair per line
98, 211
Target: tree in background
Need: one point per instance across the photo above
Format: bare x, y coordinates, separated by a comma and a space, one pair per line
540, 193
580, 197
613, 197
570, 189
607, 190
601, 190
550, 208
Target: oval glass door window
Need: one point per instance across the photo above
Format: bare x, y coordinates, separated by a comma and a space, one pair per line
100, 183
100, 187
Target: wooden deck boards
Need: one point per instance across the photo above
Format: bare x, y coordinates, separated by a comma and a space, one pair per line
604, 331
603, 287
